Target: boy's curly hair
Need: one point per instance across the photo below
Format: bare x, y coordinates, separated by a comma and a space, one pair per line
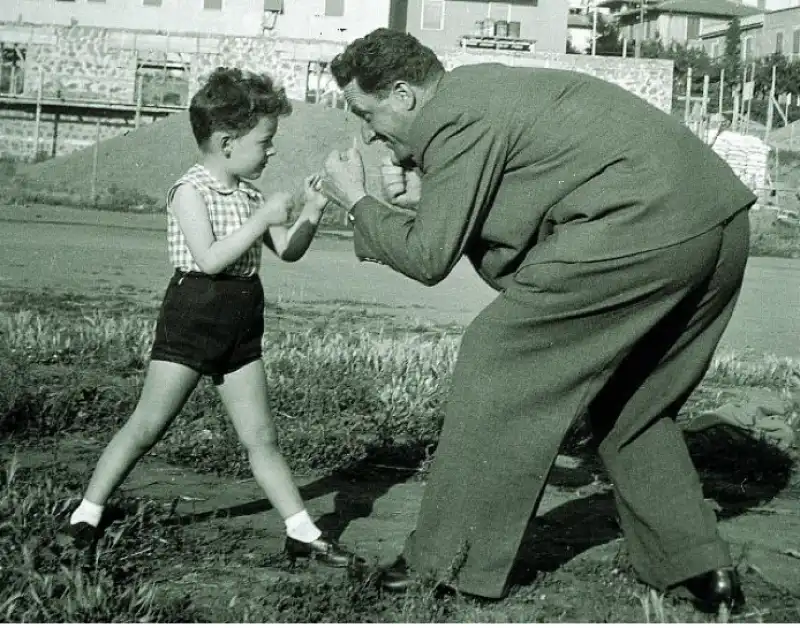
382, 57
233, 100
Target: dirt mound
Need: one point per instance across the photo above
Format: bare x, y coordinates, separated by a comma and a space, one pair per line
150, 159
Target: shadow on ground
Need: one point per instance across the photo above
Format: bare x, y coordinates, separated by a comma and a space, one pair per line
738, 474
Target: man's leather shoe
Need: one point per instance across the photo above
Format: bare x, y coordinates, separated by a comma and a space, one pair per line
323, 551
397, 577
715, 589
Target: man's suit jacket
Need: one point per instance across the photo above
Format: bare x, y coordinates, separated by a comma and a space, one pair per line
523, 166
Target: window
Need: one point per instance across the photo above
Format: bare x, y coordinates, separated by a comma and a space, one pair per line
432, 15
334, 8
692, 28
779, 43
796, 41
212, 5
715, 50
151, 3
499, 11
747, 49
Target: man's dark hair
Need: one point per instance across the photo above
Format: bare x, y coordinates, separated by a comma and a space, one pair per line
382, 57
234, 101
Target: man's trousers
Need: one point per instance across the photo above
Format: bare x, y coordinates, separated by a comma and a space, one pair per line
622, 342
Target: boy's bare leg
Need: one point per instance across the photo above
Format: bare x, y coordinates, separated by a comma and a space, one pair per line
244, 394
166, 388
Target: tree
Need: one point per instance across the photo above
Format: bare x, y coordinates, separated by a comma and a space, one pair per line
732, 59
609, 42
571, 49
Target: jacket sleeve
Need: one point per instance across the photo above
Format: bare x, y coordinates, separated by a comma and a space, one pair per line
462, 163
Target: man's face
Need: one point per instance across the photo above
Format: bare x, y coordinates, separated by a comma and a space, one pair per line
387, 120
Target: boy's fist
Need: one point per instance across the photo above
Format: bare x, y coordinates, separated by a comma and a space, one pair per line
313, 198
276, 209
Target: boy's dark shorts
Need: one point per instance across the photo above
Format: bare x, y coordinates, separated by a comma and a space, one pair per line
212, 324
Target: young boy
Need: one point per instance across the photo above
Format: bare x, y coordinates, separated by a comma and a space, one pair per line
211, 320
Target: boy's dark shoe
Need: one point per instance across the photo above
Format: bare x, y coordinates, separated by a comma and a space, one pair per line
82, 535
715, 589
324, 551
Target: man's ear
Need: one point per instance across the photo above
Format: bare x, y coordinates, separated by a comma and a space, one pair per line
405, 95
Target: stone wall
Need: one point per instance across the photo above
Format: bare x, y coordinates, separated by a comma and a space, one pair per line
649, 78
60, 134
92, 64
77, 64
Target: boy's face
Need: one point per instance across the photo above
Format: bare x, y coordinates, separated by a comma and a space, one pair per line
250, 153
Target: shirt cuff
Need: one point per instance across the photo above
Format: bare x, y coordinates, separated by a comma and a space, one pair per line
363, 250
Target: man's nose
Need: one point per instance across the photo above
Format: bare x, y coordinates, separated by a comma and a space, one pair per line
367, 134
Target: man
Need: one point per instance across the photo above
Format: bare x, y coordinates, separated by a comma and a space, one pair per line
617, 241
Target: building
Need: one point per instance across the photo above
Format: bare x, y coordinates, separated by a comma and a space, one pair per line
442, 24
775, 31
675, 21
331, 20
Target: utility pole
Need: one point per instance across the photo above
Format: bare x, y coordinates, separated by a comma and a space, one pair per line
638, 47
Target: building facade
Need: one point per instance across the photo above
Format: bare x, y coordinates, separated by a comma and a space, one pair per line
331, 20
775, 31
441, 24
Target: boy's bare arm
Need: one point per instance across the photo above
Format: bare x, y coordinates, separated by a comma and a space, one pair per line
291, 243
211, 255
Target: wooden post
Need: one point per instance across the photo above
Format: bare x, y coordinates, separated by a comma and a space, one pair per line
736, 111
721, 92
12, 88
56, 121
95, 160
138, 116
750, 102
624, 47
741, 100
688, 102
38, 122
770, 106
704, 109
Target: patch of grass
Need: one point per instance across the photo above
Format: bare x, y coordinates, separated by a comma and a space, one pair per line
339, 398
45, 579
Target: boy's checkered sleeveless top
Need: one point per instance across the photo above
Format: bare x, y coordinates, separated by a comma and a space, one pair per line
228, 208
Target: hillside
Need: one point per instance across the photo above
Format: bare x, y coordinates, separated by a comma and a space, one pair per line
149, 159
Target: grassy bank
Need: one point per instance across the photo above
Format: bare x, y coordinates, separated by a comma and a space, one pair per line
770, 237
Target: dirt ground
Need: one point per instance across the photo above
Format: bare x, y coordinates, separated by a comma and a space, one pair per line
121, 258
574, 535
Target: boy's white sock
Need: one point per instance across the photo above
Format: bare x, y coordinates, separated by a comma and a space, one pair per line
87, 512
301, 528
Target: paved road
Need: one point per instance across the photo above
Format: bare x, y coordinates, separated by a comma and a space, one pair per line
102, 258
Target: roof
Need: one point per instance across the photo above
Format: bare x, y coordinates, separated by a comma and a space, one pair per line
720, 8
706, 8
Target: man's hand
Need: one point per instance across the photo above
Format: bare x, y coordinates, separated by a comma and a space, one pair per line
344, 181
402, 187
